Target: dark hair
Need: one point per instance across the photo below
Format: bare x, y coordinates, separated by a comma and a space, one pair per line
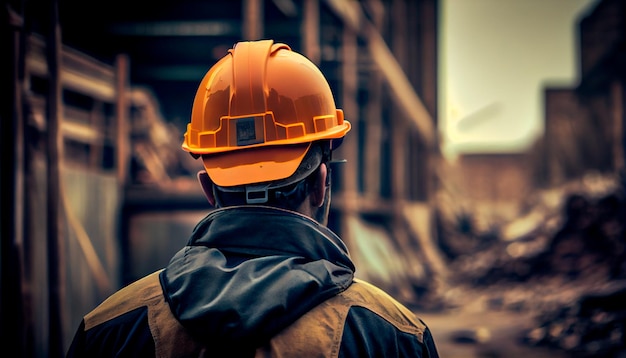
286, 193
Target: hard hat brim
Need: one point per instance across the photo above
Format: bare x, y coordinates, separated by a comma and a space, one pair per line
248, 166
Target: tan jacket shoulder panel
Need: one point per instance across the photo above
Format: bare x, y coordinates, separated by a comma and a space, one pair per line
322, 327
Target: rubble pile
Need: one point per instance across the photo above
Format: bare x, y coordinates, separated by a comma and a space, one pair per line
594, 326
590, 242
564, 263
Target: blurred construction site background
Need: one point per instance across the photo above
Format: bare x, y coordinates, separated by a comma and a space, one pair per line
96, 192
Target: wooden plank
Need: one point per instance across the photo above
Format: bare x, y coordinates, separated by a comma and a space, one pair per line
79, 72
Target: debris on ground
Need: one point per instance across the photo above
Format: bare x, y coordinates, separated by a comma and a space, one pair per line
563, 261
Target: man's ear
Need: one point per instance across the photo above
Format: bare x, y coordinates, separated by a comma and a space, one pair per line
207, 186
319, 191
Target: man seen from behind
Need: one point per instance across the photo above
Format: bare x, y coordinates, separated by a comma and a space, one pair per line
261, 274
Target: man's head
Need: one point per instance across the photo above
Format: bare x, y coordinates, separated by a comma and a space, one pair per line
264, 123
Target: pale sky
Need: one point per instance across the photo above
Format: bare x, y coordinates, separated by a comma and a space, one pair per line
497, 56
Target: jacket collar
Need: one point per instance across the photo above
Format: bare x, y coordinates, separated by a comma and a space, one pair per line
263, 230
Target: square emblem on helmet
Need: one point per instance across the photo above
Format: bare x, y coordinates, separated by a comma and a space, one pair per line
247, 132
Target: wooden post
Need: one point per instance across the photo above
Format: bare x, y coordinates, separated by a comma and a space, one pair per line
252, 28
399, 130
311, 30
56, 282
13, 305
122, 126
349, 147
617, 101
373, 118
96, 120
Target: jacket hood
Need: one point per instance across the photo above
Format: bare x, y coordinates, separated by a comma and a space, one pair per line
248, 272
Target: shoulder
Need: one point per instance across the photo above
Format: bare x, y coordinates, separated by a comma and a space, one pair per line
121, 323
138, 294
361, 294
370, 297
137, 321
363, 312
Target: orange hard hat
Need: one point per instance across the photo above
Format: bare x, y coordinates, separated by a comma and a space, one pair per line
256, 113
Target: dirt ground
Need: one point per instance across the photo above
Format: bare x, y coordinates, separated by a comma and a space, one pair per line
501, 321
471, 334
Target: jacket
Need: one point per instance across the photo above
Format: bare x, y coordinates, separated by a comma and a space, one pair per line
254, 281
